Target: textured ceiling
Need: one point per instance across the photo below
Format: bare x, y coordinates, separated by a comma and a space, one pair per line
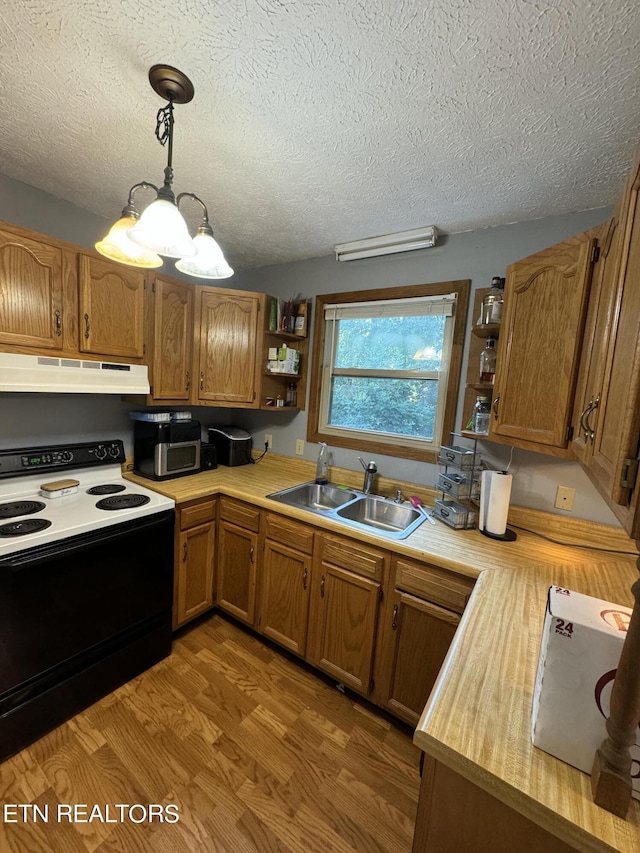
321, 121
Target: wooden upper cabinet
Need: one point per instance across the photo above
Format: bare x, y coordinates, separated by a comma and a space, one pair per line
589, 389
540, 341
228, 346
111, 308
613, 461
172, 339
31, 297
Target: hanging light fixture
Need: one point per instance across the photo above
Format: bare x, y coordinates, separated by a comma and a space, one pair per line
161, 230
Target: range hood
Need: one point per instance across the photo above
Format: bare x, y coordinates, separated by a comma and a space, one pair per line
48, 374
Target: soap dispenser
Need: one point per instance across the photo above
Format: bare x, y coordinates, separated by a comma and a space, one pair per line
322, 465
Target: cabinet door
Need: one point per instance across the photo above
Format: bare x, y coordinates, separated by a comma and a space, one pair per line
284, 596
194, 573
172, 339
614, 462
111, 308
346, 616
540, 340
589, 390
236, 571
30, 292
416, 640
228, 340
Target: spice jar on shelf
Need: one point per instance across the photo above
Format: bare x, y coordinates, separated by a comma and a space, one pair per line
482, 415
488, 361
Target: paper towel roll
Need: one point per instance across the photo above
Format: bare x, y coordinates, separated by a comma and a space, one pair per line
495, 491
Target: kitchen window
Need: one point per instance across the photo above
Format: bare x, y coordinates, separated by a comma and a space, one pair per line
387, 377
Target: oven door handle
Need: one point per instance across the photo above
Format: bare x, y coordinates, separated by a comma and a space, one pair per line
33, 557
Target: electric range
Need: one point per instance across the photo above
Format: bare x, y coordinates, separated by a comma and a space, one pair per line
86, 583
30, 517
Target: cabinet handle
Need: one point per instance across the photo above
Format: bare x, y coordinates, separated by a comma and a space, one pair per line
495, 407
58, 323
583, 419
251, 554
202, 380
87, 327
394, 624
304, 577
188, 385
590, 433
322, 587
184, 552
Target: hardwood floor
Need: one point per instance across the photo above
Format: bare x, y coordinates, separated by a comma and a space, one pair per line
257, 754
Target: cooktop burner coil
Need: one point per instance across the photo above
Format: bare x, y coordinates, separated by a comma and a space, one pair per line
22, 528
106, 489
9, 510
128, 501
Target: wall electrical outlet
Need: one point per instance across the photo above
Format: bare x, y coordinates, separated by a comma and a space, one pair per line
299, 447
564, 498
268, 439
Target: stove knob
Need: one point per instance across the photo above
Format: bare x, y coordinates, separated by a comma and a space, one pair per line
114, 451
66, 456
101, 452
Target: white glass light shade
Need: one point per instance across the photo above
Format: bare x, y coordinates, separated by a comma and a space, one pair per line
209, 262
118, 247
162, 229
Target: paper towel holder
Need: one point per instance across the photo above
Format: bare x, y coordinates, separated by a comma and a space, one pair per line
483, 519
507, 536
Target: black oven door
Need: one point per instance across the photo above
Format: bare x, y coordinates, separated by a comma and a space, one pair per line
77, 619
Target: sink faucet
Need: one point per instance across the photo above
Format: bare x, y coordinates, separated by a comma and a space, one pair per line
370, 469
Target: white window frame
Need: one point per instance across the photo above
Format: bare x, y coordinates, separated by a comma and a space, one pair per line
376, 442
418, 306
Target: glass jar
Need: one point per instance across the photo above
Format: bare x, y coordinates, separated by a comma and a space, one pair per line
492, 302
482, 415
488, 362
292, 394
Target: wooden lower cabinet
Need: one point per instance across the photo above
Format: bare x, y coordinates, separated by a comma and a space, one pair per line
236, 568
456, 815
420, 618
285, 583
194, 555
345, 600
414, 650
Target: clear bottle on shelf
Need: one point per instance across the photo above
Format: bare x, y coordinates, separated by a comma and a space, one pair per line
488, 361
492, 302
292, 394
482, 415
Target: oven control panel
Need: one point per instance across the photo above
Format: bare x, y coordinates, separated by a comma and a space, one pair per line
27, 459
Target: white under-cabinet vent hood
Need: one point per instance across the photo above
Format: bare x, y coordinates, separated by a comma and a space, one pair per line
49, 374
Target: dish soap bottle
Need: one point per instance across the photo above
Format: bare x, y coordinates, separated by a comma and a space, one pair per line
322, 465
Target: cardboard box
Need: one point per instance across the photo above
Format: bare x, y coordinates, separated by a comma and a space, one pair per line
582, 639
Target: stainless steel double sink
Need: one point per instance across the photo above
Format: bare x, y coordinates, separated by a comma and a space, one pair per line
353, 508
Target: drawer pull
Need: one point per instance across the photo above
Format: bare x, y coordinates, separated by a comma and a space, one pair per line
394, 624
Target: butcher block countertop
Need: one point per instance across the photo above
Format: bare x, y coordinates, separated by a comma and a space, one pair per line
477, 719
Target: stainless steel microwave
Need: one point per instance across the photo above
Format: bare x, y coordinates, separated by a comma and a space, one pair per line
165, 450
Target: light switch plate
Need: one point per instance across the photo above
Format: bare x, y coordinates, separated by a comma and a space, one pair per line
565, 496
299, 447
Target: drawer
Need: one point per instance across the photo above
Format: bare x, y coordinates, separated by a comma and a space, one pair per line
456, 515
244, 515
197, 513
434, 584
353, 556
291, 533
